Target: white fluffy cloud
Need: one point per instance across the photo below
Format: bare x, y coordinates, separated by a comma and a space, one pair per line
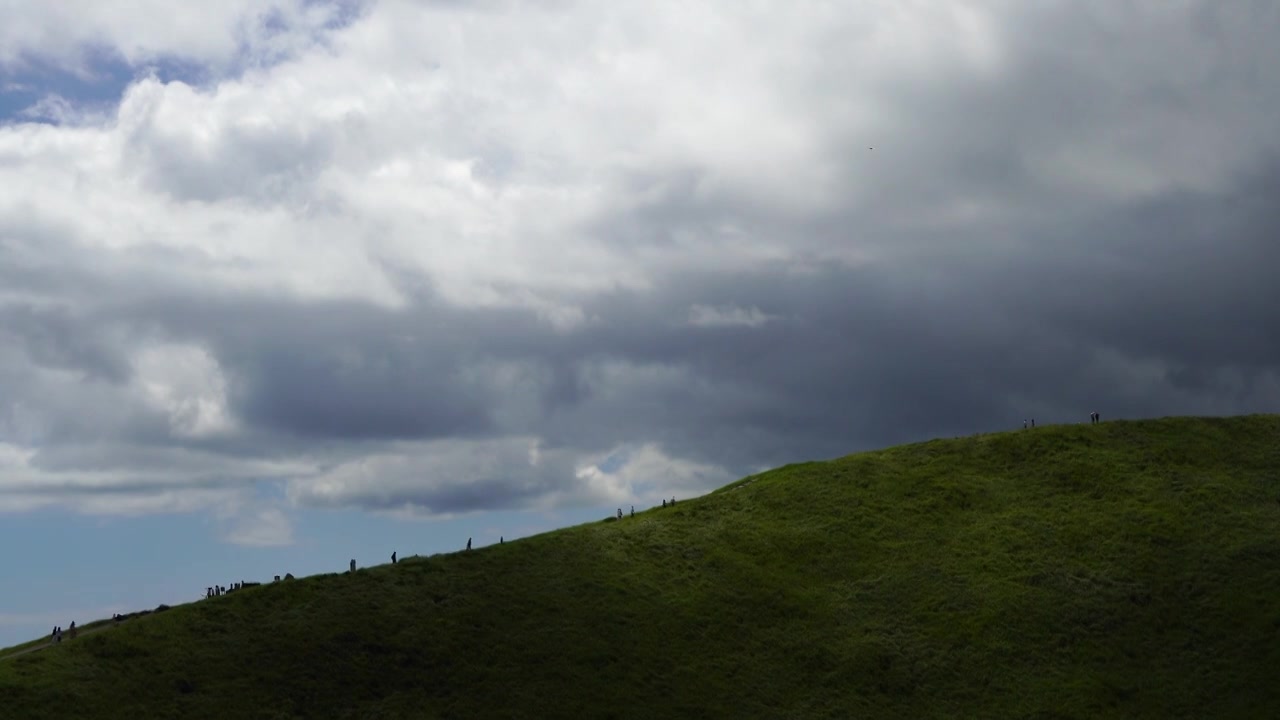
482, 145
647, 474
255, 524
450, 476
512, 473
418, 136
185, 383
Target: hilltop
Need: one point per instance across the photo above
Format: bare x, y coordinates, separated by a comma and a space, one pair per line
1128, 569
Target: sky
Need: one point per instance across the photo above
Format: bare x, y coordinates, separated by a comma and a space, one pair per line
285, 283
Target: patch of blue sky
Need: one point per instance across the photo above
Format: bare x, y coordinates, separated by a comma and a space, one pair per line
345, 12
84, 568
100, 82
98, 85
257, 55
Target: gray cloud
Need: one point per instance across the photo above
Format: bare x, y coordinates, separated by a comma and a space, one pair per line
447, 295
53, 337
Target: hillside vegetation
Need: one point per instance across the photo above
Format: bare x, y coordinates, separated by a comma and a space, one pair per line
1128, 569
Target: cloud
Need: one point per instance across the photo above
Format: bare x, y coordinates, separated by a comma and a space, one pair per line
256, 525
433, 259
444, 478
185, 383
704, 316
648, 474
54, 108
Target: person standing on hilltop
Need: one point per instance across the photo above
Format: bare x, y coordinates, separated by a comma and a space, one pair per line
468, 543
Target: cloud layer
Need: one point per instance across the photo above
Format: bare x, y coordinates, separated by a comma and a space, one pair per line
436, 258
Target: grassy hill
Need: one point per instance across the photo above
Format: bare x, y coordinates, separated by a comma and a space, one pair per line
1130, 569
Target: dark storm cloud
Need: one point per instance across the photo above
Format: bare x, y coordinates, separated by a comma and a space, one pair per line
1185, 277
504, 492
54, 337
345, 369
848, 358
1156, 308
1159, 307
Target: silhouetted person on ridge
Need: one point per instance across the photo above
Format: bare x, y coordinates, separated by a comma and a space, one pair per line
499, 539
393, 558
1024, 424
468, 543
1033, 422
633, 511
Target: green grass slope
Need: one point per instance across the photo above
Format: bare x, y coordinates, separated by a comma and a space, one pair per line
1130, 569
